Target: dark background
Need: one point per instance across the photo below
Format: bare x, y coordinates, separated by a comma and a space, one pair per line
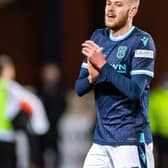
34, 32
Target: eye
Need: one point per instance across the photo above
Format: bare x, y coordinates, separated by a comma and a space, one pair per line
118, 4
108, 3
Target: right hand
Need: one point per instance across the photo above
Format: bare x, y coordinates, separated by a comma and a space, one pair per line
94, 54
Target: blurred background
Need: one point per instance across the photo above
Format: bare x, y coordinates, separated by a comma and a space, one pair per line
36, 31
39, 32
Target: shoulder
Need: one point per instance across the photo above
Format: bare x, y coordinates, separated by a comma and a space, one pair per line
14, 85
18, 90
141, 33
103, 32
100, 30
143, 38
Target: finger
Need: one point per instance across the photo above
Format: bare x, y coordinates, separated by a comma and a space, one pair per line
87, 45
90, 79
87, 52
91, 44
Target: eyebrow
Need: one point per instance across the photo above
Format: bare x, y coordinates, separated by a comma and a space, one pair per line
117, 1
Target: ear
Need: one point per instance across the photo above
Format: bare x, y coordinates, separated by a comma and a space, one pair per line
133, 11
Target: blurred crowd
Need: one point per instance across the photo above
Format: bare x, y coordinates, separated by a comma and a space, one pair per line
43, 126
49, 126
158, 115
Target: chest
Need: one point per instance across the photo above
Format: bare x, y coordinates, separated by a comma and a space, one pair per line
119, 55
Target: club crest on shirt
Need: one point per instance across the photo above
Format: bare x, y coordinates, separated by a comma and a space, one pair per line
121, 52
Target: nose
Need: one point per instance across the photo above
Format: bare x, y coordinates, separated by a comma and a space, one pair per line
110, 7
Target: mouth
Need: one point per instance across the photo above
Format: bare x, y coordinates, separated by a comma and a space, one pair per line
111, 16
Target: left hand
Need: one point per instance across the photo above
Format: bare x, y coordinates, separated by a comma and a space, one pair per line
93, 73
93, 53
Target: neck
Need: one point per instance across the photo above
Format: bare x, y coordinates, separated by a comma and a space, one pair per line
121, 31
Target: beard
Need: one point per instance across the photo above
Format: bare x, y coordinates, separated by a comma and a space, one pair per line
117, 24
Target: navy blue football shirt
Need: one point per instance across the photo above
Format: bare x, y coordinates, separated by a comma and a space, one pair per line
122, 88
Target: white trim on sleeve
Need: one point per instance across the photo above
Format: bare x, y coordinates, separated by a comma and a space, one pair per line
142, 72
84, 65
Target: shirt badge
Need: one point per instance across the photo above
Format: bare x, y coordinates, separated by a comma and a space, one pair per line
121, 52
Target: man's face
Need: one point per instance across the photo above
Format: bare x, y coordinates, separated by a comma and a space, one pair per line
8, 72
117, 13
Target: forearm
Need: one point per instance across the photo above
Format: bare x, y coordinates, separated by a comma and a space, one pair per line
82, 85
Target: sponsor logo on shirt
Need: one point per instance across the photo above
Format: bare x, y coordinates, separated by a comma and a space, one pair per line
121, 68
145, 41
144, 54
